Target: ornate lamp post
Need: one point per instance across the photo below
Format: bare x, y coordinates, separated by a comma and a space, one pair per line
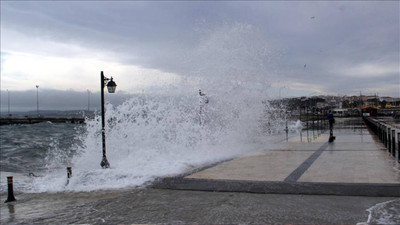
111, 86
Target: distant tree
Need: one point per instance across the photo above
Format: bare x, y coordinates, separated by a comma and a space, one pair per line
357, 104
346, 104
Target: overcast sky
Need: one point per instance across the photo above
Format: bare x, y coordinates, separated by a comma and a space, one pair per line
299, 48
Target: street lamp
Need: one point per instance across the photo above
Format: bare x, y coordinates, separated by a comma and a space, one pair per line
111, 86
37, 99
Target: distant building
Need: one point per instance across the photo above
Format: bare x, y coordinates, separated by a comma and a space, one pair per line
390, 101
321, 105
340, 112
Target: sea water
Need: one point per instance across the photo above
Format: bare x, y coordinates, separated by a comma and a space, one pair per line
29, 151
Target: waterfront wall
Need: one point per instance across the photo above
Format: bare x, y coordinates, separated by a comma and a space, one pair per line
31, 120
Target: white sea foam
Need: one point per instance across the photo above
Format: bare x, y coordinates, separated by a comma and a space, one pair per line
156, 135
297, 126
384, 213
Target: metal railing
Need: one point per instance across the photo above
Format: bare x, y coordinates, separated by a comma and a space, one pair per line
387, 134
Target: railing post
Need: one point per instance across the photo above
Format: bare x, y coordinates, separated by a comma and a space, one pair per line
384, 135
300, 113
393, 143
379, 131
313, 125
389, 141
398, 147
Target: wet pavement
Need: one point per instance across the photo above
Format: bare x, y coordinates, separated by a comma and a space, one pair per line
354, 164
179, 207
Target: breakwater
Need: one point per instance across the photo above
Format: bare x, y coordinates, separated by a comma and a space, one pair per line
32, 120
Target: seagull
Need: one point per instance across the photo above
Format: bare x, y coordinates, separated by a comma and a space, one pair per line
201, 94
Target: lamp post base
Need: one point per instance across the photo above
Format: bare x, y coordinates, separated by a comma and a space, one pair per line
104, 163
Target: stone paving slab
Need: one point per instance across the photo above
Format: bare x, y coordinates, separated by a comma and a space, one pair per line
355, 164
271, 166
353, 167
347, 138
348, 146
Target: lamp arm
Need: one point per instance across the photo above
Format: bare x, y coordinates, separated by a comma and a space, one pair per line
105, 80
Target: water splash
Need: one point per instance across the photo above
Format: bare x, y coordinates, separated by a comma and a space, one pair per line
168, 132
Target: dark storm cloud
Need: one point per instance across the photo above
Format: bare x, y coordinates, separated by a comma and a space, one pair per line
139, 32
330, 38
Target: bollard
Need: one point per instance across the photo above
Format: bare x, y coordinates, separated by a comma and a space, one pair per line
10, 197
69, 174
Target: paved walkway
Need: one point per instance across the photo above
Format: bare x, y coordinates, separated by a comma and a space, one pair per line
354, 164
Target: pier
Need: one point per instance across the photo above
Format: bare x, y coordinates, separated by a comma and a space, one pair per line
32, 120
355, 164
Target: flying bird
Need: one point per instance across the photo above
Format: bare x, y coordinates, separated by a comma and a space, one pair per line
313, 17
305, 65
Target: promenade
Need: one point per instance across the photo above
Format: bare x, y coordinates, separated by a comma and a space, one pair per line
355, 164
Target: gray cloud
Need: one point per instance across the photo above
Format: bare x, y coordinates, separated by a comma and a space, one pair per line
273, 39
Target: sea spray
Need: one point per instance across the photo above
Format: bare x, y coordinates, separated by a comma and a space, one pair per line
155, 136
164, 133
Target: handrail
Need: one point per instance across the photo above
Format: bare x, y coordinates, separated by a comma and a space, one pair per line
389, 135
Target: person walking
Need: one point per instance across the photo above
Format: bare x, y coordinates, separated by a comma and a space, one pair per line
331, 120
